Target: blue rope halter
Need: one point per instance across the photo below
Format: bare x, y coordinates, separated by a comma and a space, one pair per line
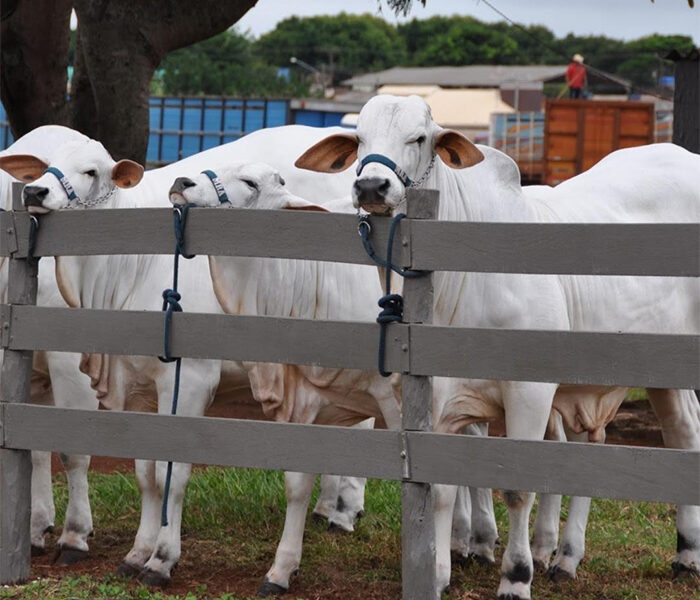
171, 304
387, 162
63, 180
218, 186
391, 304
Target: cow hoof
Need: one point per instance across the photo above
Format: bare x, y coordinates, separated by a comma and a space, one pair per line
682, 572
49, 529
459, 559
153, 578
559, 575
539, 565
511, 597
336, 528
270, 590
128, 570
481, 560
66, 556
319, 518
38, 550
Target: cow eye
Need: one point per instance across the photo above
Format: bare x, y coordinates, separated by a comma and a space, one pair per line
419, 140
91, 173
250, 184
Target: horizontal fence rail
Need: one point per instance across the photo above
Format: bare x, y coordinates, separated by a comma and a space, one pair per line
627, 472
631, 359
577, 249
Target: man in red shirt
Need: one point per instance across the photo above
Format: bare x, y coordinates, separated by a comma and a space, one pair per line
576, 76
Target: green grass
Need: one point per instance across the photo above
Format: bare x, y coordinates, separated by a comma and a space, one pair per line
232, 523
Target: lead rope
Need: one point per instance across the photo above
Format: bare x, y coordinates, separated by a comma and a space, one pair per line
391, 304
171, 304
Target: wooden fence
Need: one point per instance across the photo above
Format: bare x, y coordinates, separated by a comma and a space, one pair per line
415, 348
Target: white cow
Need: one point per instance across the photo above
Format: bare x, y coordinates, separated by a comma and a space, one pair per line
135, 282
649, 184
55, 380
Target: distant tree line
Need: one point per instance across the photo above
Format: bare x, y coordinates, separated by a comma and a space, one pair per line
344, 45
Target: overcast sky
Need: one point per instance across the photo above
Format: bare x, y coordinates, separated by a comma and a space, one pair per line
621, 19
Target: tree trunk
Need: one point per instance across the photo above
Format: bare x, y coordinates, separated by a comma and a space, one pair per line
122, 43
83, 110
686, 99
34, 40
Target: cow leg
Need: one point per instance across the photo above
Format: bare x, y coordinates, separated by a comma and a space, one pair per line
573, 542
678, 412
461, 525
298, 488
71, 389
527, 407
198, 382
444, 497
350, 504
484, 535
149, 524
43, 509
327, 497
545, 536
350, 499
72, 546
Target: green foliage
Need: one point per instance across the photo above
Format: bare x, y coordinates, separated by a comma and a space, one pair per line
339, 45
343, 45
223, 64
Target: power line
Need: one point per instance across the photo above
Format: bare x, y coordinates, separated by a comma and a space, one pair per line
592, 69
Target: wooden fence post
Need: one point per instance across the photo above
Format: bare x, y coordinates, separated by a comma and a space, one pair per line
15, 465
417, 522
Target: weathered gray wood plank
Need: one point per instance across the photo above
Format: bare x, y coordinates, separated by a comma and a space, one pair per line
418, 578
195, 335
231, 232
15, 465
634, 473
584, 249
638, 360
207, 440
566, 357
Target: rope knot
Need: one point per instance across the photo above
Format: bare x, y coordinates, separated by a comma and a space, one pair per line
392, 309
171, 300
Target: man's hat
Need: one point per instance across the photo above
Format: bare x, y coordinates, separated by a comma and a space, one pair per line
578, 58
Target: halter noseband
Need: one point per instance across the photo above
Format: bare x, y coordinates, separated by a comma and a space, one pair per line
218, 186
387, 162
70, 192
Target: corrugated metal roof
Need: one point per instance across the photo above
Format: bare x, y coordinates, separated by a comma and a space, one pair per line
465, 76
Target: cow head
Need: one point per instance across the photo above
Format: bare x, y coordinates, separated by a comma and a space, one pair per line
238, 185
395, 143
82, 175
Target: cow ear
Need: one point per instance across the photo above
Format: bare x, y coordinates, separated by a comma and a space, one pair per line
331, 155
299, 204
127, 173
455, 150
23, 167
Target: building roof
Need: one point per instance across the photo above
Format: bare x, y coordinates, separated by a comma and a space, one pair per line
466, 108
409, 90
460, 77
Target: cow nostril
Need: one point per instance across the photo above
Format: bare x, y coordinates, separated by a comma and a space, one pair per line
34, 194
182, 183
384, 187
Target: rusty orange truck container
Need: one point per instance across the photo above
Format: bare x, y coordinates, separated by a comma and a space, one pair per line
578, 133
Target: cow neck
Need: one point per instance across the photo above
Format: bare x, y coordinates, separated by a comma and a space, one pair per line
251, 286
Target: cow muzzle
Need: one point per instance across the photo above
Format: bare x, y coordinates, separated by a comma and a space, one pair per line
177, 189
371, 194
34, 196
